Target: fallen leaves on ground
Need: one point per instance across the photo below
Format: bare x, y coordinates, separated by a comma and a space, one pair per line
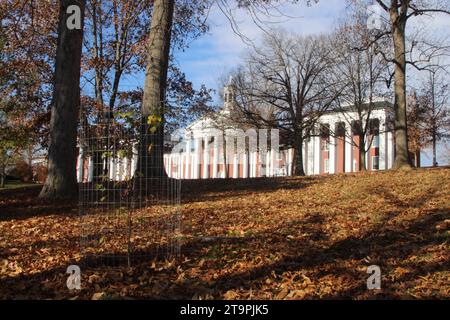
283, 238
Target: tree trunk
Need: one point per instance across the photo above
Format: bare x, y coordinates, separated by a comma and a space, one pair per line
61, 180
151, 147
435, 164
2, 178
362, 154
97, 33
298, 157
402, 159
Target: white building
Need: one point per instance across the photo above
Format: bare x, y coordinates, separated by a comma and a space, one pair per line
332, 149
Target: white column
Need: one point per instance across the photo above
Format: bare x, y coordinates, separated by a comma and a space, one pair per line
390, 149
317, 155
205, 158
268, 164
80, 166
348, 148
91, 169
382, 146
216, 157
184, 171
304, 155
133, 165
250, 163
245, 165
274, 159
332, 149
188, 159
118, 173
273, 163
253, 165
311, 155
196, 164
112, 168
367, 153
180, 166
236, 165
306, 158
118, 169
124, 169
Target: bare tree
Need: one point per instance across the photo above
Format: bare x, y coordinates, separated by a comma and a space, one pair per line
400, 12
433, 100
359, 75
284, 85
416, 132
263, 13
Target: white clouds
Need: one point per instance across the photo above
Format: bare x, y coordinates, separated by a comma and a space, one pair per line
221, 49
211, 56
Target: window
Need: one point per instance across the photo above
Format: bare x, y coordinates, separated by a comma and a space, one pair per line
325, 136
326, 145
326, 166
340, 129
356, 127
375, 163
376, 141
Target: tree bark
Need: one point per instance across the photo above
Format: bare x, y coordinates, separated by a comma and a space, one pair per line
61, 180
298, 155
2, 178
97, 33
402, 158
362, 154
151, 147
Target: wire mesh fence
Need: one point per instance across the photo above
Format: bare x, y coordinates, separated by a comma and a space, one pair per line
129, 207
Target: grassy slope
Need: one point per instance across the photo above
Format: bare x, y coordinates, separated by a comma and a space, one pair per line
295, 238
17, 185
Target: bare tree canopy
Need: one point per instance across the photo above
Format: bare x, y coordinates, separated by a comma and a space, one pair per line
399, 12
433, 101
283, 84
360, 76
